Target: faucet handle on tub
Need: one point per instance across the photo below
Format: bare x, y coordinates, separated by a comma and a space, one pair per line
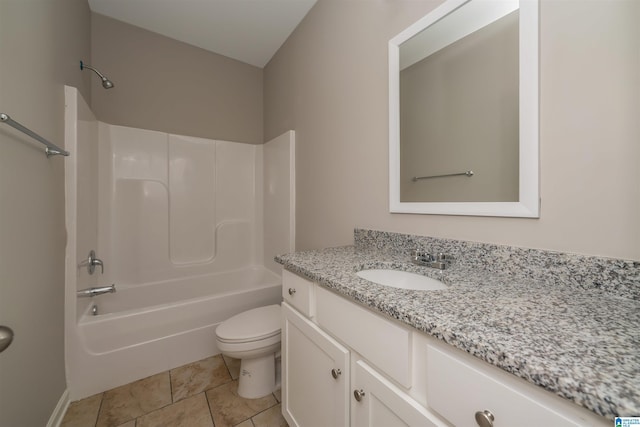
91, 263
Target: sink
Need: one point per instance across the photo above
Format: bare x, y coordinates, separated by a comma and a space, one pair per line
401, 279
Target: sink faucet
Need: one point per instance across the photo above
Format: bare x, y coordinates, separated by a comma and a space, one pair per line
90, 292
423, 258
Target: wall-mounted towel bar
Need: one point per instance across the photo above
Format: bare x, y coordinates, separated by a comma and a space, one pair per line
467, 173
51, 150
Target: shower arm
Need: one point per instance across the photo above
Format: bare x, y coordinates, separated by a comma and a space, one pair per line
106, 83
83, 66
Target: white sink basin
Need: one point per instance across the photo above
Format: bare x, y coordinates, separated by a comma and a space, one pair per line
401, 279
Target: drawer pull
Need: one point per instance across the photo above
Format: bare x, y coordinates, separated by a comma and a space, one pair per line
358, 394
484, 418
292, 291
335, 373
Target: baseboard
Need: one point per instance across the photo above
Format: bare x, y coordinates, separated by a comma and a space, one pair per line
58, 413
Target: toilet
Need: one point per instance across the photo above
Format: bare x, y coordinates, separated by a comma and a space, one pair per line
253, 337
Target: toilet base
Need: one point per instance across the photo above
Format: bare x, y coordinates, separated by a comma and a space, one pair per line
257, 377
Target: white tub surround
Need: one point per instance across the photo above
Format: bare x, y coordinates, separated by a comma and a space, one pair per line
178, 223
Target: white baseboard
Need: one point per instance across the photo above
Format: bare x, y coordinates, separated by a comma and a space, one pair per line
58, 413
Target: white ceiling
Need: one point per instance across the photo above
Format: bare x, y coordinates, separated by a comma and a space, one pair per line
250, 31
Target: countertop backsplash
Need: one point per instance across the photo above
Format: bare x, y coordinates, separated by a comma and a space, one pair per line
616, 277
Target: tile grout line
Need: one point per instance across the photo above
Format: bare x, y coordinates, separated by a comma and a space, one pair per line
226, 366
171, 387
209, 406
99, 409
264, 410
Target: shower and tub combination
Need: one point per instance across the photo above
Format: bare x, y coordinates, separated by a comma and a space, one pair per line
185, 229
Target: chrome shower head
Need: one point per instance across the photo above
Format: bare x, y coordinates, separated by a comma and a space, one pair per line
106, 83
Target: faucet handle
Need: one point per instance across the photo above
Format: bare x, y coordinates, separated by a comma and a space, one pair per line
421, 255
96, 261
442, 257
91, 263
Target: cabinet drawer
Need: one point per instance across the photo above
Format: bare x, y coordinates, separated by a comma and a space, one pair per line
298, 292
382, 342
457, 390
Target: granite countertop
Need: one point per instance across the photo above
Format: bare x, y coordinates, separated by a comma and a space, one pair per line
579, 344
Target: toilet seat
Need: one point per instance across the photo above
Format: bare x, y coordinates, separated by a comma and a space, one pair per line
260, 338
259, 324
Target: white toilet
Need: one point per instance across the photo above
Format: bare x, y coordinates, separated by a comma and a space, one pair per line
253, 337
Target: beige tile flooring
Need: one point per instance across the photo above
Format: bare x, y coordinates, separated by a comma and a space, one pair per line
201, 394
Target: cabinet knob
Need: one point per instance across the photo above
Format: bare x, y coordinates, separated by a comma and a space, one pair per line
292, 291
358, 394
335, 373
485, 418
6, 336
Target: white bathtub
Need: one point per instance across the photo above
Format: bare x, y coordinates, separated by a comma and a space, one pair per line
146, 329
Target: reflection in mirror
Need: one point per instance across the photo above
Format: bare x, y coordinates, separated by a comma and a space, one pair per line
463, 119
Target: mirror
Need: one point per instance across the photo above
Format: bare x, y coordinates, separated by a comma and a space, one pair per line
463, 111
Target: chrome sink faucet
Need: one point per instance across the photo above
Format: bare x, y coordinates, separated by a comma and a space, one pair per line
439, 261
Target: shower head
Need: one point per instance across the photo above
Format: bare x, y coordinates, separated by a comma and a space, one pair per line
106, 83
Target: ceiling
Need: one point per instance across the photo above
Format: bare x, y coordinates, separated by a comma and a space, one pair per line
250, 31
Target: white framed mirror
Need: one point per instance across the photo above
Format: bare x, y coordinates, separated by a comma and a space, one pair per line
463, 111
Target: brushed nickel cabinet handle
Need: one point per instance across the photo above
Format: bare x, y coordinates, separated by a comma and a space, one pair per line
484, 418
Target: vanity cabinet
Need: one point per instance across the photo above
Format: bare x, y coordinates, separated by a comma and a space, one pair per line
315, 374
326, 383
343, 364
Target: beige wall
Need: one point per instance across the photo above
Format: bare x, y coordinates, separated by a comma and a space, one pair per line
329, 83
169, 86
41, 42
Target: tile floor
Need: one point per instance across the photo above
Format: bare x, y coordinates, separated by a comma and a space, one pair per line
201, 394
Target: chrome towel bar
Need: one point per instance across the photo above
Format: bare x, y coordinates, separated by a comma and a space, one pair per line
467, 173
51, 150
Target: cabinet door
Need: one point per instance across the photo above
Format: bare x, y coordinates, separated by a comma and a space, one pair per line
311, 396
382, 404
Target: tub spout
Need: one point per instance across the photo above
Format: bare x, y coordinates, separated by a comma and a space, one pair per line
99, 290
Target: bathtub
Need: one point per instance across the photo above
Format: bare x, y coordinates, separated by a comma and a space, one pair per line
146, 329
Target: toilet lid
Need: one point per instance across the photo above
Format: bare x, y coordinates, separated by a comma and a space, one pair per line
251, 325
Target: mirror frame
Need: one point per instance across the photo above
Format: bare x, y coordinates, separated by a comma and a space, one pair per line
528, 204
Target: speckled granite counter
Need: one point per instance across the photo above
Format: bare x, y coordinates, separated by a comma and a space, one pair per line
578, 339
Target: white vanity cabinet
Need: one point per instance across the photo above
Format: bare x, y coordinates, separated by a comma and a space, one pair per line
327, 384
343, 364
315, 374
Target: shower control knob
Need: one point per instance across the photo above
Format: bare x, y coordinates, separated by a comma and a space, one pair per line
292, 291
484, 418
91, 262
358, 394
335, 373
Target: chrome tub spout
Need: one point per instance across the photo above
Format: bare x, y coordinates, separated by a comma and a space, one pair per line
98, 290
